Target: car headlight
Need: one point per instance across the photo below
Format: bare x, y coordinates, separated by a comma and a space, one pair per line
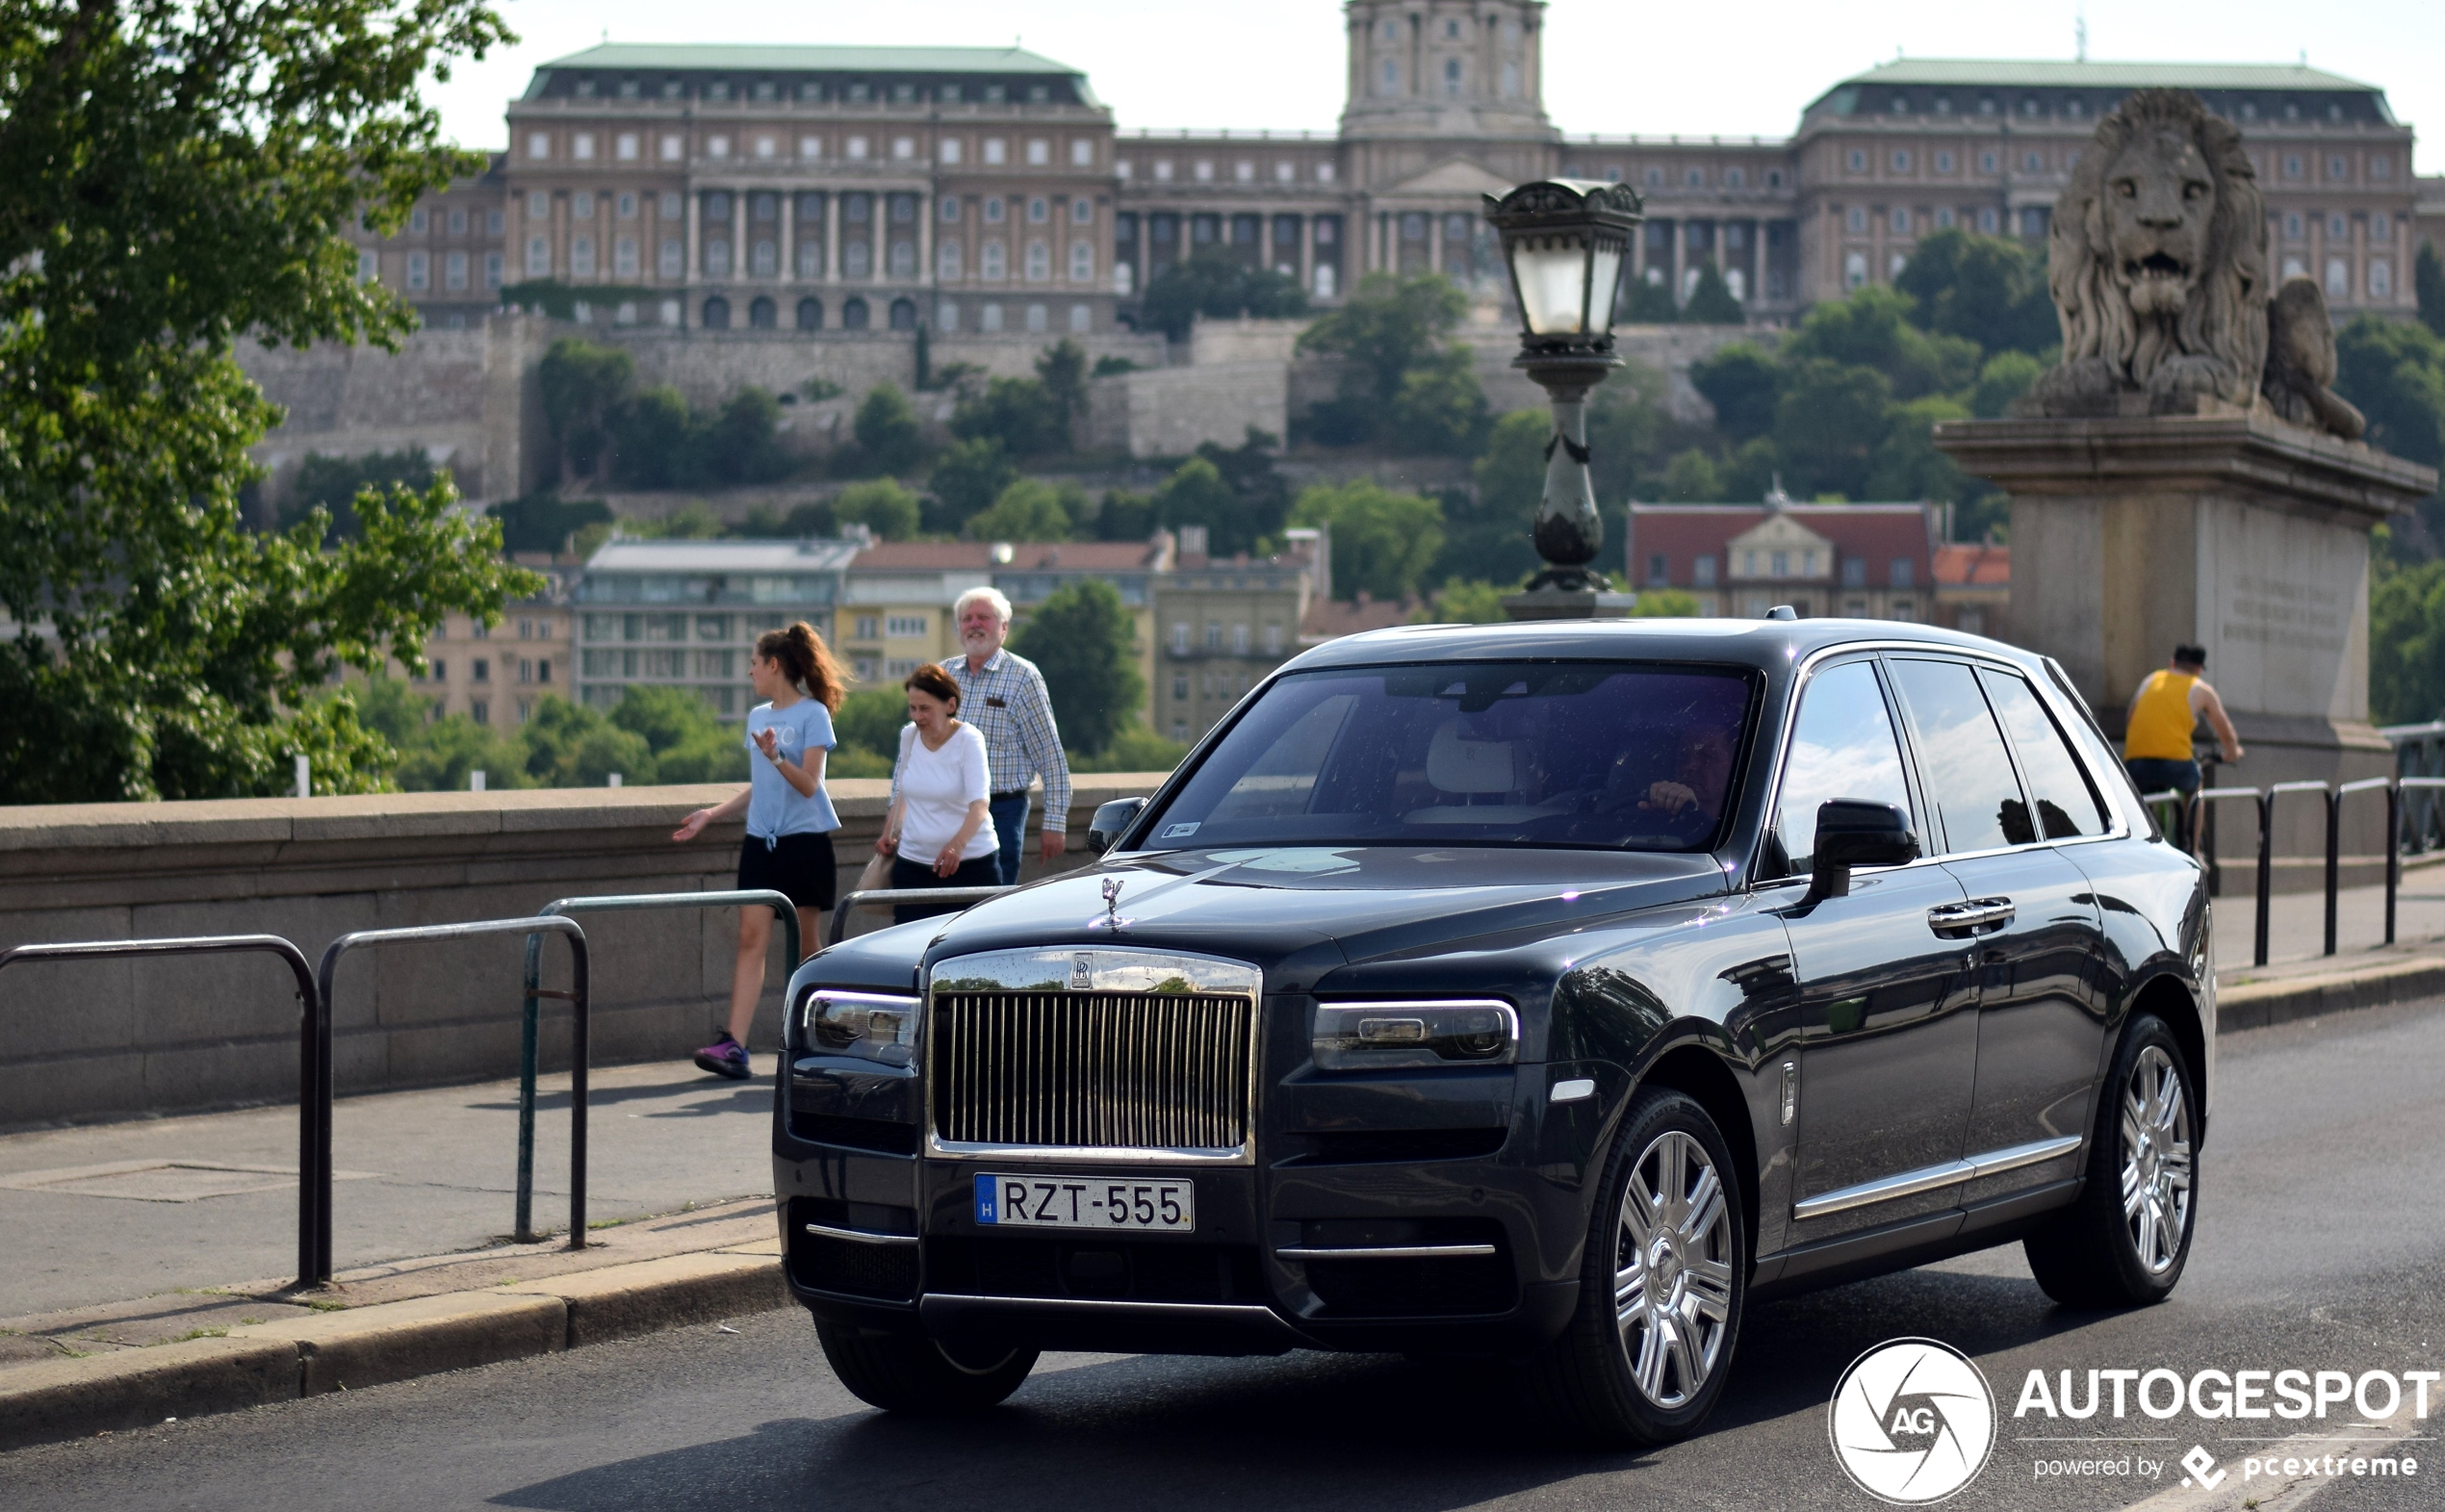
1365, 1037
869, 1026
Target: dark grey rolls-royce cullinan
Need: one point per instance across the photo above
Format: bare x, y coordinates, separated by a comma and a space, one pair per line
1542, 991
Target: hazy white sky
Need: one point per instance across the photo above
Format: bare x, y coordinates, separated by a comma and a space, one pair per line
1721, 68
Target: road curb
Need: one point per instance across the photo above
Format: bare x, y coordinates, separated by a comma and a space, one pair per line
353, 1347
2256, 1005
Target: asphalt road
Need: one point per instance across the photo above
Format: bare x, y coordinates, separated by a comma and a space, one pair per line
2320, 1246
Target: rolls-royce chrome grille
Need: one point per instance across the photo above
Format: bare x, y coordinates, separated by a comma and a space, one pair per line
1119, 1054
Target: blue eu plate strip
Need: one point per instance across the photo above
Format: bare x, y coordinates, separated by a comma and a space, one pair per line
985, 1212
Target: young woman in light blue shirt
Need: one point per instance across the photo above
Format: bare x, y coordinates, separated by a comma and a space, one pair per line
789, 817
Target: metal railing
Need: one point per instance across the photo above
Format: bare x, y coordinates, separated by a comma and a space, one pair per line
552, 924
890, 897
2399, 820
524, 1233
314, 1067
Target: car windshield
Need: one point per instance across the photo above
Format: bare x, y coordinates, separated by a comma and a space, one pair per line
1572, 754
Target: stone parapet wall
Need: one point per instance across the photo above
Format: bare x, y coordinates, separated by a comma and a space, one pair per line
116, 1038
1170, 412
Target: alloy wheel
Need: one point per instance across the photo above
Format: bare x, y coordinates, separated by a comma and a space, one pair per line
1672, 1273
2156, 1160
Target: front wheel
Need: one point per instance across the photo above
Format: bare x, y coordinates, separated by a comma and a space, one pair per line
2124, 1242
1661, 1286
903, 1372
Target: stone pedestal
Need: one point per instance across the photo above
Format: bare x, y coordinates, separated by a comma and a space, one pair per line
1563, 603
2233, 531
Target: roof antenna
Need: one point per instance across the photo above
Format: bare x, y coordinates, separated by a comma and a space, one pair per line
2080, 35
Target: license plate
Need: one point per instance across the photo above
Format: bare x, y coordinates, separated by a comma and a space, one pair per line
1162, 1207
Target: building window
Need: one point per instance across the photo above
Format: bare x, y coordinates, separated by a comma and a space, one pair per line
1039, 319
483, 672
1901, 222
480, 710
947, 262
1082, 319
1039, 262
1659, 569
990, 262
1082, 212
2380, 227
1854, 571
854, 316
1857, 161
1179, 639
454, 271
1082, 263
811, 315
1082, 153
1986, 163
538, 256
901, 625
538, 145
492, 271
996, 152
2338, 168
2292, 165
1180, 689
1944, 161
992, 209
2338, 229
1855, 271
674, 257
1856, 220
1987, 220
1901, 160
718, 314
1899, 573
2381, 279
581, 257
2338, 279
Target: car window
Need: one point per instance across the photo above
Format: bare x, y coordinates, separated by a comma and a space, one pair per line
1841, 747
1961, 754
1599, 754
2067, 806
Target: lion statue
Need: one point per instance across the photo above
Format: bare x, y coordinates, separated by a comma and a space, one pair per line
2157, 261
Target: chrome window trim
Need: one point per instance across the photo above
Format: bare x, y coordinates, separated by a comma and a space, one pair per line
1386, 1252
1051, 969
2119, 829
1929, 1178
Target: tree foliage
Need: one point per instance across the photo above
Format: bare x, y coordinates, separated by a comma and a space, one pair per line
177, 178
967, 480
1711, 302
881, 505
1030, 509
888, 431
1384, 541
1218, 284
1389, 325
2428, 282
653, 735
1082, 640
1989, 290
332, 484
1022, 414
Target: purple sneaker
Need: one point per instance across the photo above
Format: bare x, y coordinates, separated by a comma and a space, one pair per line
725, 1057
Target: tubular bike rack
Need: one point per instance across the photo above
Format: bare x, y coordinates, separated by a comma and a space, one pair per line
2201, 809
313, 1067
577, 996
525, 1233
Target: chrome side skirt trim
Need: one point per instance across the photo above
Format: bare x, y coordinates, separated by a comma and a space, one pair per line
859, 1235
1927, 1178
1389, 1252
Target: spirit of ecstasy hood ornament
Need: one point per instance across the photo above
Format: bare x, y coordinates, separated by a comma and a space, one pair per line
1112, 919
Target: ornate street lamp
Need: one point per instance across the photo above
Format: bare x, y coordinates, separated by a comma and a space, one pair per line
1566, 241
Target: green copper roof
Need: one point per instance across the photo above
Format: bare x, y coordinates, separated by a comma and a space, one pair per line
2009, 73
743, 58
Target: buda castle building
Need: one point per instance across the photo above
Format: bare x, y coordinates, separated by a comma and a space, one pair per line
838, 190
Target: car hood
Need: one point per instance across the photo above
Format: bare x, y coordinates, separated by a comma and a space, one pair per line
1322, 908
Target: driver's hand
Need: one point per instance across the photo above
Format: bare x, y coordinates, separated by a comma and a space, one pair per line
1671, 797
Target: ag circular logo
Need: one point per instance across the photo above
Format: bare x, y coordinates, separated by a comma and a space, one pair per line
1911, 1421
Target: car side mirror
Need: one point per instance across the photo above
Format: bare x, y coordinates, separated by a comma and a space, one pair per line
1103, 830
1851, 832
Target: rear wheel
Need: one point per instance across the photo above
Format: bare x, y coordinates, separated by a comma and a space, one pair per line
2124, 1242
1662, 1287
904, 1372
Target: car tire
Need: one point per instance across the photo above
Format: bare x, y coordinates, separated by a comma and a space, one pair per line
2124, 1242
908, 1372
1663, 1280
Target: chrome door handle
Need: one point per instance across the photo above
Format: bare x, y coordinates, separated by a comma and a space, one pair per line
1977, 916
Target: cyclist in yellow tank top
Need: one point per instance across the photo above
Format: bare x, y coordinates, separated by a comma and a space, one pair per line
2156, 740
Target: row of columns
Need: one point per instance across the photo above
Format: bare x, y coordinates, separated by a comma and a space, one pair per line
1140, 253
786, 214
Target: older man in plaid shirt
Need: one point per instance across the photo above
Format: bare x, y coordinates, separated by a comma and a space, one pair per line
1002, 694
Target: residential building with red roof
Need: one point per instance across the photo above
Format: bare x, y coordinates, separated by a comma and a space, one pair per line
1872, 561
1973, 588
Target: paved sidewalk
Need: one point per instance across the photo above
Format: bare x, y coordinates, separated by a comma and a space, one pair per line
419, 1174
